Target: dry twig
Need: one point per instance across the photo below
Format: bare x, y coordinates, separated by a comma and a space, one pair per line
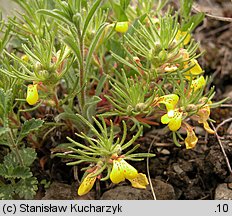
224, 122
148, 172
196, 8
222, 148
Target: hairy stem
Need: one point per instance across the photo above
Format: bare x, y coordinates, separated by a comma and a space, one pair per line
82, 75
14, 147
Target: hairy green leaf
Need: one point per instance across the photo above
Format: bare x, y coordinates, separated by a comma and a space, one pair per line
90, 16
6, 192
29, 126
26, 188
28, 156
14, 172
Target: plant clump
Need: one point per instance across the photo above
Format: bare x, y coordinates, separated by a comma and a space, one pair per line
106, 70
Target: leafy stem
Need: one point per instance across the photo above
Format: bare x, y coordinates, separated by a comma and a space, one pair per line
14, 147
82, 77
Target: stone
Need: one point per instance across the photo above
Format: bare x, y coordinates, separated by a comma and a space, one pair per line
58, 191
126, 193
223, 192
163, 190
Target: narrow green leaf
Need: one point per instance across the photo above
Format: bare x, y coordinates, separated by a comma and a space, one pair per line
185, 8
119, 11
100, 84
125, 62
90, 16
93, 46
141, 155
175, 139
193, 22
124, 4
73, 45
129, 143
55, 14
90, 107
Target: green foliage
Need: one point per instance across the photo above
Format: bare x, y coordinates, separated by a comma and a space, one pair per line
29, 126
23, 184
5, 105
130, 97
16, 164
26, 188
103, 145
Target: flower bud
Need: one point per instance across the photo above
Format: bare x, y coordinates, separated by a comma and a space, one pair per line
191, 108
38, 66
121, 27
25, 58
140, 107
162, 55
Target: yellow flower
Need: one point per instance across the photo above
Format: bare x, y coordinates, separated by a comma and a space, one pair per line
182, 34
25, 58
169, 100
32, 94
122, 170
203, 116
198, 83
195, 70
140, 181
191, 139
122, 27
86, 184
173, 118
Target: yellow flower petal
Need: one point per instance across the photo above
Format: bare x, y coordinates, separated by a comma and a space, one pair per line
129, 171
187, 39
169, 100
121, 170
86, 185
207, 128
175, 122
198, 83
140, 181
117, 175
165, 119
181, 34
191, 139
204, 113
196, 69
121, 27
32, 94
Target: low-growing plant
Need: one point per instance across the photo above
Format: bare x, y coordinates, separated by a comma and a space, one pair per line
102, 67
